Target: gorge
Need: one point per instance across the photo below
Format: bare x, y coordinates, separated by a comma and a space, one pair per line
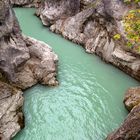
87, 104
88, 101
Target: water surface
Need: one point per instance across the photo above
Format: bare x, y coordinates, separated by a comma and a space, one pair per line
87, 104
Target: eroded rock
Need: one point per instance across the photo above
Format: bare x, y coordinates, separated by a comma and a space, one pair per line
132, 98
41, 67
13, 50
11, 116
18, 61
53, 10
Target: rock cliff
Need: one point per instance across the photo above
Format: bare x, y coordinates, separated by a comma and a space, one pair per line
93, 24
24, 62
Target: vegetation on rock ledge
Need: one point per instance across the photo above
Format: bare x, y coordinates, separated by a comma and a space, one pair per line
132, 28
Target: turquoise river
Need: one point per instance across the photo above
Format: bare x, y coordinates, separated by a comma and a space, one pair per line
87, 104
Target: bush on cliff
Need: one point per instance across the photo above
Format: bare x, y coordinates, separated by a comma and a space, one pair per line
132, 28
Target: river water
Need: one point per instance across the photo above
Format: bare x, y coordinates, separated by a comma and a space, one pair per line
87, 104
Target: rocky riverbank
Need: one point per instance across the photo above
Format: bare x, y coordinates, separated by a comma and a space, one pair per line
93, 25
24, 62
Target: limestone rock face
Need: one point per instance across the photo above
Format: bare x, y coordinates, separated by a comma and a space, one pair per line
26, 3
11, 116
130, 129
94, 27
24, 61
132, 98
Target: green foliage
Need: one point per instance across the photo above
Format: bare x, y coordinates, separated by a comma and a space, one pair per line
132, 27
117, 36
132, 1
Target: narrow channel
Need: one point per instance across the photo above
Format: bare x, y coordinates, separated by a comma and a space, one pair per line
87, 104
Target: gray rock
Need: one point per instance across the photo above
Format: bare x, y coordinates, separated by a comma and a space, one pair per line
53, 10
41, 67
11, 116
18, 61
132, 98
